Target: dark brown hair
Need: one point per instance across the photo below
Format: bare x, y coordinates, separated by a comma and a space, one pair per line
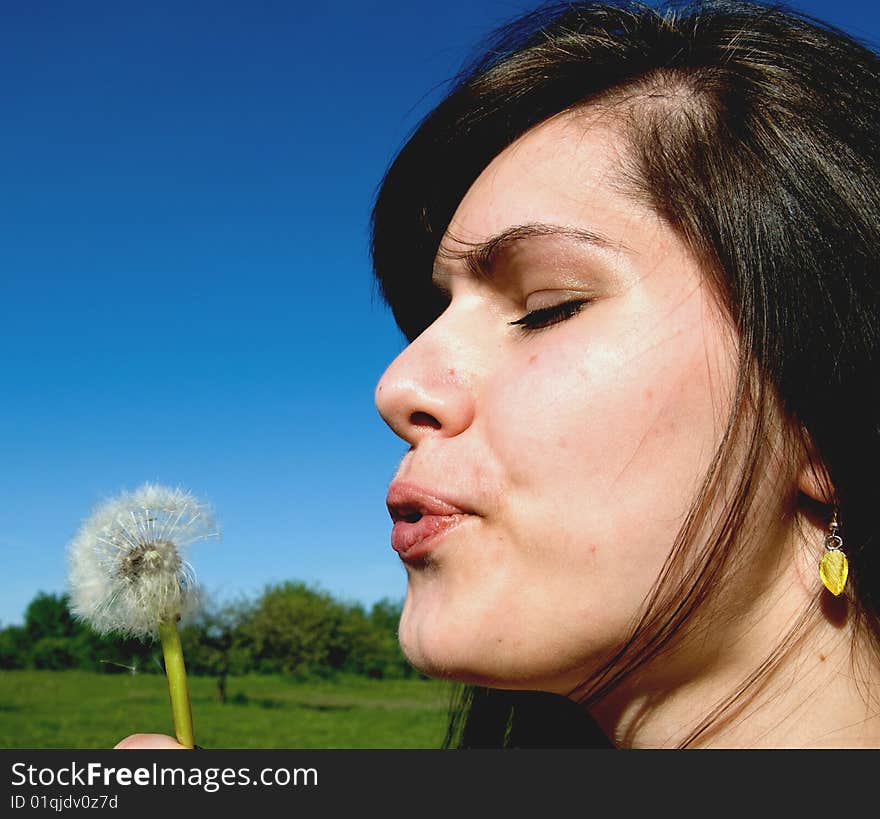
755, 132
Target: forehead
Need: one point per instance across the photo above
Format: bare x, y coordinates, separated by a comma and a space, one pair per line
568, 170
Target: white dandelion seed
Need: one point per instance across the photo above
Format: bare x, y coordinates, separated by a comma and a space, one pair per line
127, 570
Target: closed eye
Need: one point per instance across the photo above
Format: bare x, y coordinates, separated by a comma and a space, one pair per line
548, 316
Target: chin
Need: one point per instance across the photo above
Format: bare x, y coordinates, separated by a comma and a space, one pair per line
444, 652
473, 656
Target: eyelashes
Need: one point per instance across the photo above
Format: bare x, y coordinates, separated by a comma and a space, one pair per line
548, 316
529, 323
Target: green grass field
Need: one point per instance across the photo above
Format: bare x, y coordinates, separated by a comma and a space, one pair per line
78, 709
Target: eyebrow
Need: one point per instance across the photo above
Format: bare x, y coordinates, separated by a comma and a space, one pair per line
480, 257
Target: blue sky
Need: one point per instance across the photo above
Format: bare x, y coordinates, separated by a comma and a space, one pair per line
185, 288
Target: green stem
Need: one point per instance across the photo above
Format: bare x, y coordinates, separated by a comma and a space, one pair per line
175, 670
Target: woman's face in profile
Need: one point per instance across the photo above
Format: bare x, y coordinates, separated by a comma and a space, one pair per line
575, 440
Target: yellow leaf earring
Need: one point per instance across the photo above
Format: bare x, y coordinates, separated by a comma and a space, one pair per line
834, 567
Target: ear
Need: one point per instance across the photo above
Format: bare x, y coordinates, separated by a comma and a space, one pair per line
813, 479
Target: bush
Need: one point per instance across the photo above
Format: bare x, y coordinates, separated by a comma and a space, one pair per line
14, 648
52, 653
48, 615
291, 628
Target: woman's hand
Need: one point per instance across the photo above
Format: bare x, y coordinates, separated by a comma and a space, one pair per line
143, 741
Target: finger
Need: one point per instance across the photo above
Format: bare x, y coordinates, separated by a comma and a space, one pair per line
141, 741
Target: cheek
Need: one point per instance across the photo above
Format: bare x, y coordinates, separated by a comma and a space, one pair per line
630, 429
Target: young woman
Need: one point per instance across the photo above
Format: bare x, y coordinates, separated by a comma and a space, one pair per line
635, 253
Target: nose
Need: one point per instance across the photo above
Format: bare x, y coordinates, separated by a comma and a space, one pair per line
428, 389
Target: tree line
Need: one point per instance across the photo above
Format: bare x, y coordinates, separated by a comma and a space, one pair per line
291, 628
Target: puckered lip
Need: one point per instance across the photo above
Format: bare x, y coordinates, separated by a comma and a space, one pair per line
410, 501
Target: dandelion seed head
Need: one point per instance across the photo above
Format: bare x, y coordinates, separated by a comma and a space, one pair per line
127, 570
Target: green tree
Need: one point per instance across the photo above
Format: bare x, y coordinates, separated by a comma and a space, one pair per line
14, 648
385, 617
373, 649
48, 615
112, 654
213, 643
52, 638
385, 614
52, 653
291, 628
296, 629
